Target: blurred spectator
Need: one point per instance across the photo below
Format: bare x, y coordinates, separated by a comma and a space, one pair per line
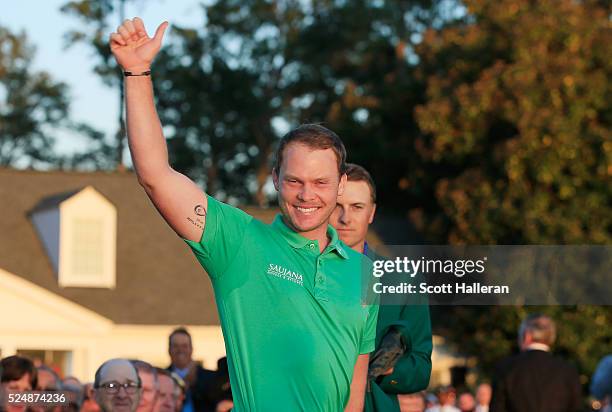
220, 389
150, 385
76, 394
534, 380
431, 400
414, 402
89, 401
197, 379
224, 406
447, 397
71, 380
47, 380
483, 397
18, 375
466, 402
166, 401
179, 391
601, 384
117, 386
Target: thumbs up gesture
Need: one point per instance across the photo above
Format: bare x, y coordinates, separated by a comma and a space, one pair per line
132, 46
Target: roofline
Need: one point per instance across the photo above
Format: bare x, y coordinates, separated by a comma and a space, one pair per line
114, 173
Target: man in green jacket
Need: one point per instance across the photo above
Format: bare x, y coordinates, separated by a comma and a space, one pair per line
354, 213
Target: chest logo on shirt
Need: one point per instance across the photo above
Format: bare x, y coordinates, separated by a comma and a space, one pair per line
284, 273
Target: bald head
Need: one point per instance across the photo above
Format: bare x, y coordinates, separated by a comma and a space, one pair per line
117, 386
113, 369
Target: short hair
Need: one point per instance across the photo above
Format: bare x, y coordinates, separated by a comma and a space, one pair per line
58, 381
164, 372
356, 173
14, 367
182, 330
97, 376
145, 367
315, 137
541, 327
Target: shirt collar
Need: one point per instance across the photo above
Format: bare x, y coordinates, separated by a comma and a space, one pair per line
298, 241
538, 346
181, 372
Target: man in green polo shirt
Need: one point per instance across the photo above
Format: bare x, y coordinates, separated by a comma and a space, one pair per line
352, 217
296, 332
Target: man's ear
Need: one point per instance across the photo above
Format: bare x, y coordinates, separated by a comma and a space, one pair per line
371, 219
94, 394
275, 179
342, 184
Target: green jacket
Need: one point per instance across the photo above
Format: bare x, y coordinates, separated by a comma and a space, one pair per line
412, 371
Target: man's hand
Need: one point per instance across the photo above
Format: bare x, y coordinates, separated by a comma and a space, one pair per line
133, 48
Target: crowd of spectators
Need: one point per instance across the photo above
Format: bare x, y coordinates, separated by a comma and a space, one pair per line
123, 385
133, 385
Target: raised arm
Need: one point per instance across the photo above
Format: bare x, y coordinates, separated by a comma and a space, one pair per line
178, 199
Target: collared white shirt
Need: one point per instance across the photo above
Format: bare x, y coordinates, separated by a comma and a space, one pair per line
538, 346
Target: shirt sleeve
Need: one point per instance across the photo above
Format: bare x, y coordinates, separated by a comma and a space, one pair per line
222, 237
369, 332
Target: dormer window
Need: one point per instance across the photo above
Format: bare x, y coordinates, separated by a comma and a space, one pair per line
79, 232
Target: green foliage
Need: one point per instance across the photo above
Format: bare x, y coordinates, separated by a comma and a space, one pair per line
515, 136
518, 112
95, 18
257, 62
31, 105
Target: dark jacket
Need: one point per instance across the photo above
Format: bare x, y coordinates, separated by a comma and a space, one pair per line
202, 390
536, 381
412, 371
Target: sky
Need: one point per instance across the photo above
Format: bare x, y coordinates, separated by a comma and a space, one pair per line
91, 101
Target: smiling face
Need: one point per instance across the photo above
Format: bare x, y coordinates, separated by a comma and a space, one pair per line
308, 184
353, 214
180, 350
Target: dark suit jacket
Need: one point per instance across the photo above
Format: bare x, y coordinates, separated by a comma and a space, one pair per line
202, 390
536, 381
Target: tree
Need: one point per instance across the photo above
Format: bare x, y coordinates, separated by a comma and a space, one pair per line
32, 104
518, 119
516, 131
96, 16
260, 63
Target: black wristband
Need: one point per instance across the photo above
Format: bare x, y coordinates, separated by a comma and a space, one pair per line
128, 74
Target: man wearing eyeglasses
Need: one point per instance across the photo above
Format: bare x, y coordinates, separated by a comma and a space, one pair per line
117, 386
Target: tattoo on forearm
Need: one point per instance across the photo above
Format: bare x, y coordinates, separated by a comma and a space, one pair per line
199, 210
198, 221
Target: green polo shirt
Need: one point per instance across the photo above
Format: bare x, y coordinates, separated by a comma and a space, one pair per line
291, 316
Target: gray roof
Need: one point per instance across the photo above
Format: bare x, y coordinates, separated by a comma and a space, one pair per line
159, 281
54, 201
